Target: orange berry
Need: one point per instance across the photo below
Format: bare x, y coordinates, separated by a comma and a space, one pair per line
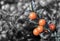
35, 32
52, 27
42, 22
32, 15
40, 29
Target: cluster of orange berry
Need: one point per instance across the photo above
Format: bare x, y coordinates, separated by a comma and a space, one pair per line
42, 23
